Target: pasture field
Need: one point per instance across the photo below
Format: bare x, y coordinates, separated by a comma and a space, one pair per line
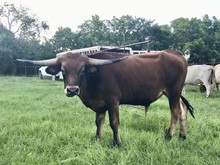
39, 125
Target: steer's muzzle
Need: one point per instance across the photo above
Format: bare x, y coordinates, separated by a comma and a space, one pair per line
71, 91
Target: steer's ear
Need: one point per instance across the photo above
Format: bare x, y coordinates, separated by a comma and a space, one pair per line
92, 69
53, 69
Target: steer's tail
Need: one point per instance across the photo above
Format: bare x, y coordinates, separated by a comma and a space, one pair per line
189, 107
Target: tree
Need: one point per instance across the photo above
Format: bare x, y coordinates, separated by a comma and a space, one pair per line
161, 37
180, 32
64, 39
7, 45
46, 50
127, 29
94, 32
199, 36
116, 32
212, 36
189, 34
21, 22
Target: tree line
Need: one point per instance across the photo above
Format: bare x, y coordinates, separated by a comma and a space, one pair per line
21, 36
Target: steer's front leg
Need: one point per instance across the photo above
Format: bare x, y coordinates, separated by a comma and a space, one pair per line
114, 123
100, 120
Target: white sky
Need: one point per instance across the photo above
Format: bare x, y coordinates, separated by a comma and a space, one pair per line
71, 13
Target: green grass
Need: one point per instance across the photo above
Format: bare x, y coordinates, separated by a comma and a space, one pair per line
40, 125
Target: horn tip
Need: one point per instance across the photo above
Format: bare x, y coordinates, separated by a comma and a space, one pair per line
21, 60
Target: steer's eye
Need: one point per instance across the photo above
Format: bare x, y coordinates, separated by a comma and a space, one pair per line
63, 73
82, 71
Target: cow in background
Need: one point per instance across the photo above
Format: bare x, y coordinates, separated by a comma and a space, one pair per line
217, 75
201, 75
202, 87
186, 55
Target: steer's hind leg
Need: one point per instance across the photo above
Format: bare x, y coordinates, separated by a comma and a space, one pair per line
100, 119
182, 120
175, 111
208, 89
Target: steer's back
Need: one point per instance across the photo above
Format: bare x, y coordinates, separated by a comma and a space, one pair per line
140, 79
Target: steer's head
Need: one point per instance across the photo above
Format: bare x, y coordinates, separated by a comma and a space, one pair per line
73, 67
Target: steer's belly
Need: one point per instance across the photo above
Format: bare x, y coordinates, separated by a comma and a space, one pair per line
144, 97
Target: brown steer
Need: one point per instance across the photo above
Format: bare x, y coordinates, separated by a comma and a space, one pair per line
138, 80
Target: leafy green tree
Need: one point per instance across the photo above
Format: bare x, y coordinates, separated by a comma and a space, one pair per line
7, 47
116, 32
21, 22
180, 32
189, 35
47, 50
127, 29
199, 36
19, 36
64, 39
211, 39
161, 37
93, 32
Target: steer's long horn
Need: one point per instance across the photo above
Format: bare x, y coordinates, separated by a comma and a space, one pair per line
48, 62
94, 61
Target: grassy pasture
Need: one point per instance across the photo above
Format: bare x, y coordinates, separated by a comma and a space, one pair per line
40, 125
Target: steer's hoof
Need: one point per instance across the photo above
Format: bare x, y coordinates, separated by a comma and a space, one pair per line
116, 144
168, 136
182, 137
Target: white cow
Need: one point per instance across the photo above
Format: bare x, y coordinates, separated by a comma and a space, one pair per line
217, 74
201, 74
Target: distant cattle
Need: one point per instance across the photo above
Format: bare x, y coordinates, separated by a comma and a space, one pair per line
217, 75
136, 80
202, 88
202, 75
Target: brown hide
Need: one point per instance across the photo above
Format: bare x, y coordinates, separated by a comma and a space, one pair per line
138, 80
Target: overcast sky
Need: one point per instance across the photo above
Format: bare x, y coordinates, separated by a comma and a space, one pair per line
71, 13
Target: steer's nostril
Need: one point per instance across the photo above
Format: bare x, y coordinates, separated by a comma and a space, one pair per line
77, 90
71, 91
